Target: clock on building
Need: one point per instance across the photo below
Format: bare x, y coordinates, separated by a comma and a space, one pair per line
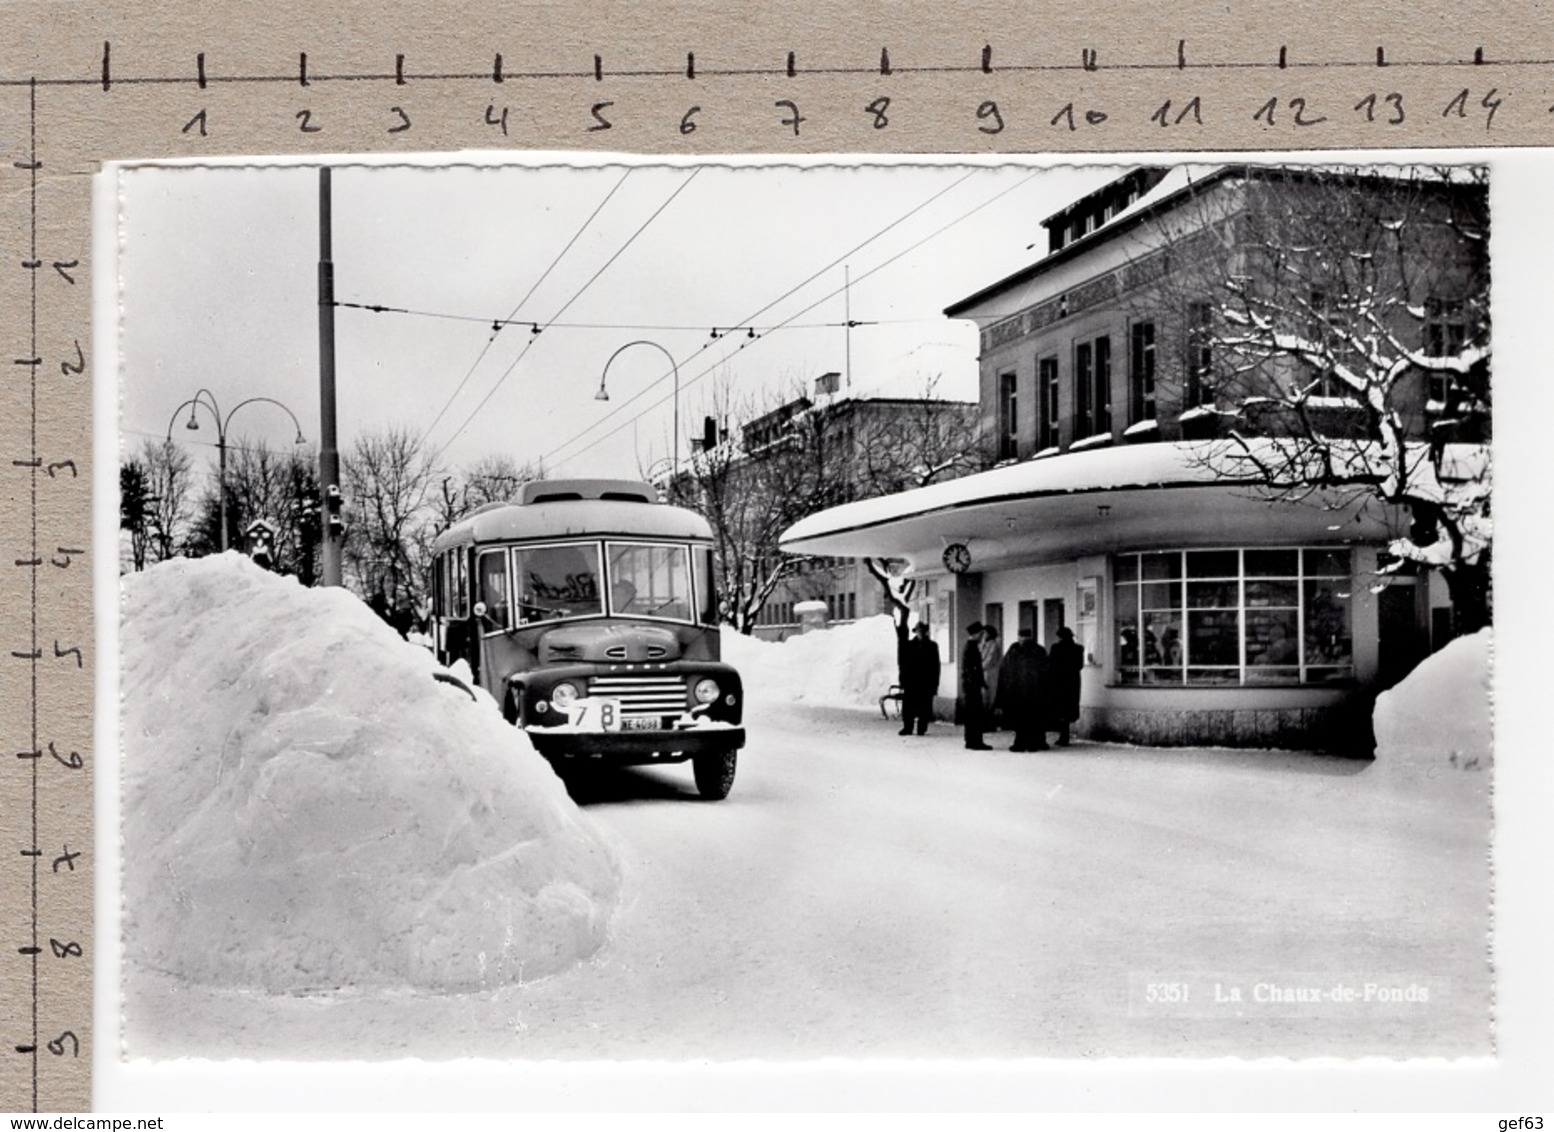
957, 559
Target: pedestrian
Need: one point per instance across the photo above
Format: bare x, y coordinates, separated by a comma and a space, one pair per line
971, 687
1022, 693
1064, 664
919, 679
992, 659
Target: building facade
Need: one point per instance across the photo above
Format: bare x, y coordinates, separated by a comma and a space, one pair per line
1186, 332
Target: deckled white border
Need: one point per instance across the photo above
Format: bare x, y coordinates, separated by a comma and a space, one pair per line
1522, 272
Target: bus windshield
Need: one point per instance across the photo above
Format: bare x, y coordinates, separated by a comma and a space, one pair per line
557, 581
650, 580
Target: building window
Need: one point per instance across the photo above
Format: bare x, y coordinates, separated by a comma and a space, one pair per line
1141, 371
1200, 355
1445, 336
1330, 330
1008, 421
1093, 387
1233, 617
1047, 404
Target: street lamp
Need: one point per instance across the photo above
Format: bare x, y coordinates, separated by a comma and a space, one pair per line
604, 395
205, 399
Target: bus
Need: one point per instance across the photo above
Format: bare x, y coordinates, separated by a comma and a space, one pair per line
586, 608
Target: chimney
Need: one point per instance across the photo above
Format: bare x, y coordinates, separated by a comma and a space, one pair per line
826, 383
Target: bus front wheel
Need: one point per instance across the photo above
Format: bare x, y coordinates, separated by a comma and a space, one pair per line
715, 773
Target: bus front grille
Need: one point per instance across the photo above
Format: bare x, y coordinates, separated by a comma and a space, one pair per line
641, 695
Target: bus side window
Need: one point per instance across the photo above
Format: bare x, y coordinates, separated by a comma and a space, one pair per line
494, 588
706, 588
460, 584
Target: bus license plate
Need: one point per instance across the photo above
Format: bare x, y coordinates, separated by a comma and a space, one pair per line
641, 723
589, 714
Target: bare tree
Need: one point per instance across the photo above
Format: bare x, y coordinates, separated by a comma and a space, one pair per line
918, 442
156, 486
389, 479
276, 485
775, 462
1335, 337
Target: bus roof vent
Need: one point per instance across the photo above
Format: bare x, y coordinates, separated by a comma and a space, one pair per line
556, 491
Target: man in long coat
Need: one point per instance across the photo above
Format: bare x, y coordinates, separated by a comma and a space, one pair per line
919, 680
971, 686
1022, 693
1064, 664
992, 660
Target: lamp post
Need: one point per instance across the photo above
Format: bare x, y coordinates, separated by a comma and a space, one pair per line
205, 399
603, 394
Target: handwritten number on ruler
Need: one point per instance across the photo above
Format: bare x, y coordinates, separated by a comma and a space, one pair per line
69, 949
79, 365
305, 118
1368, 106
68, 859
197, 120
66, 552
988, 111
1193, 108
794, 117
72, 651
404, 120
73, 760
687, 124
601, 122
493, 120
1489, 102
1267, 113
57, 1046
1066, 115
878, 108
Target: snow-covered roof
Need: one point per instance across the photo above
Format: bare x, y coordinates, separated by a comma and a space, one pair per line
1177, 181
573, 518
1110, 469
1080, 502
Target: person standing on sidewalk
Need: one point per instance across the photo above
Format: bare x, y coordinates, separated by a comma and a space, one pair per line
1065, 661
971, 687
919, 680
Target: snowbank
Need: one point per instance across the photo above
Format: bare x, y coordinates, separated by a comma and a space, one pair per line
848, 665
305, 808
1438, 719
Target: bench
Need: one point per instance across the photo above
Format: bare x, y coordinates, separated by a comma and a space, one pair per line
890, 702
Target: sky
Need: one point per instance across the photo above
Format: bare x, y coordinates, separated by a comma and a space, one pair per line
218, 291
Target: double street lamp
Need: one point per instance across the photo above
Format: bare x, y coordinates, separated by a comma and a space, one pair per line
603, 394
205, 399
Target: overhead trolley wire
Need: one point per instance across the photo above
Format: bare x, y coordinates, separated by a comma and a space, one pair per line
680, 188
497, 324
749, 342
744, 323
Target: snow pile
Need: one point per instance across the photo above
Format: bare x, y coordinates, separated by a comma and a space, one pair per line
305, 808
847, 664
1438, 719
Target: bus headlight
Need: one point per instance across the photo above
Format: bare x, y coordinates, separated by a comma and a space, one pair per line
706, 690
563, 694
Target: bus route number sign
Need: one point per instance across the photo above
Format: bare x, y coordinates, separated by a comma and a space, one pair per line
590, 714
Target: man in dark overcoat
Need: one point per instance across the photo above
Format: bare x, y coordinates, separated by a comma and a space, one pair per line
919, 680
1022, 693
1064, 663
971, 687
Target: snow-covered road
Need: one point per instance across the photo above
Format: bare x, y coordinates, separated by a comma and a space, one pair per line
863, 894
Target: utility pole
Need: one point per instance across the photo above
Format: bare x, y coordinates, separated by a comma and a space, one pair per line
847, 317
328, 450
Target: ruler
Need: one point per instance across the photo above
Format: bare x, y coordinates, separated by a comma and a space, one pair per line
80, 86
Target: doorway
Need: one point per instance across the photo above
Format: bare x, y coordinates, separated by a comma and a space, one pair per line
1052, 619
